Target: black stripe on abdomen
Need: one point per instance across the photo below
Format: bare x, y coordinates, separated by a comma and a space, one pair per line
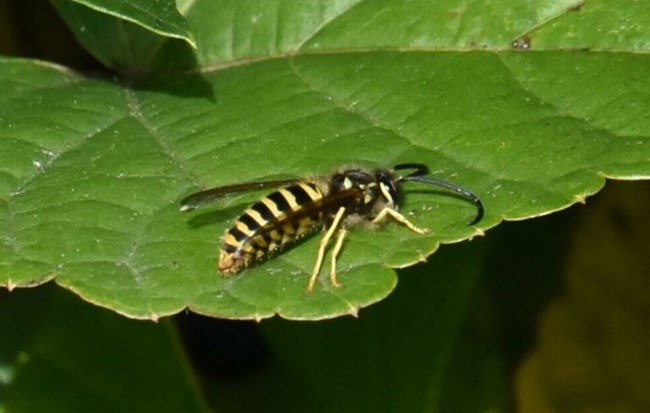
301, 195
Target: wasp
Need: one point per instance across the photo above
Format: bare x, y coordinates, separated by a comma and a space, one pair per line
346, 198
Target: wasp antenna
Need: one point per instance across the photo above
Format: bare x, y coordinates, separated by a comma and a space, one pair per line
420, 169
468, 195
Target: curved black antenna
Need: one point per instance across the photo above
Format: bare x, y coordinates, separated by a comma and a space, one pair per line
420, 168
468, 195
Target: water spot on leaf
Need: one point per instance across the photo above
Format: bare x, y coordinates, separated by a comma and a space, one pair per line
523, 43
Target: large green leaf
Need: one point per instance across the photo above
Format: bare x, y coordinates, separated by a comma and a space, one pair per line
92, 170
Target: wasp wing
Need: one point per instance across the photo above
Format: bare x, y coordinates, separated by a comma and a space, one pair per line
206, 196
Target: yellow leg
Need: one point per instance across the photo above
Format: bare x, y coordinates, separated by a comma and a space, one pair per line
399, 218
321, 249
335, 253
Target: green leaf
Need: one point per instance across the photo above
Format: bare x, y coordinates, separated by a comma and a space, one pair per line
63, 356
92, 170
125, 35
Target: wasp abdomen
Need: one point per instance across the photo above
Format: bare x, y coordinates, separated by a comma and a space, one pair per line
267, 226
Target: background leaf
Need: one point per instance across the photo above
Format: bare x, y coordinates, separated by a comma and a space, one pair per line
62, 356
592, 339
93, 169
125, 35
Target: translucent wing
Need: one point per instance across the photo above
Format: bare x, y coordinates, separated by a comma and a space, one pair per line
206, 196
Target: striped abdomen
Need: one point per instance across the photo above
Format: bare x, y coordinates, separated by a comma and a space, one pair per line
270, 224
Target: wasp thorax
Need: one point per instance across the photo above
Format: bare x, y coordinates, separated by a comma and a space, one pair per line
371, 191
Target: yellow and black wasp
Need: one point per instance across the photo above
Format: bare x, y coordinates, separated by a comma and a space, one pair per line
348, 197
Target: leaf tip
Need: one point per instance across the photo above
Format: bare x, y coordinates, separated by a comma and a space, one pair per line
581, 198
354, 311
478, 232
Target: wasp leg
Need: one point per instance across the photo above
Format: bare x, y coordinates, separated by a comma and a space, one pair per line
399, 218
335, 253
321, 249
